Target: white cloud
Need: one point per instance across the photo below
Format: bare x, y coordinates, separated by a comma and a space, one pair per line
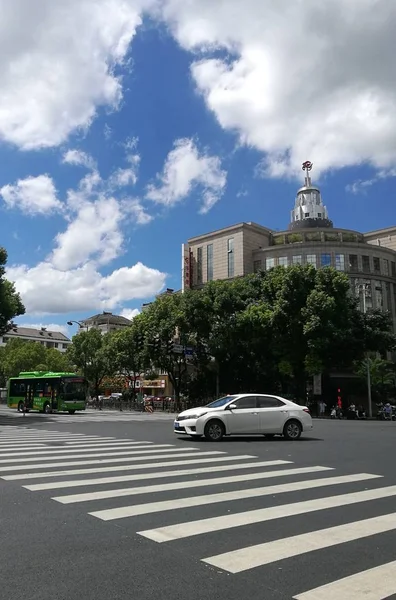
361, 185
130, 313
47, 290
136, 210
33, 195
49, 326
184, 169
93, 234
78, 157
57, 63
300, 80
128, 176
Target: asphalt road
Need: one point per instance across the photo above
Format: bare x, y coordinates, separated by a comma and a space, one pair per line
68, 533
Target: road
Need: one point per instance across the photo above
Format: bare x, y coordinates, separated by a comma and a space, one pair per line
104, 506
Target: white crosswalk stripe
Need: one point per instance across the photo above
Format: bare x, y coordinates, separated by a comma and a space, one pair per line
91, 466
90, 416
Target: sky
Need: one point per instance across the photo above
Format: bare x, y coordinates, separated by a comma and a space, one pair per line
129, 126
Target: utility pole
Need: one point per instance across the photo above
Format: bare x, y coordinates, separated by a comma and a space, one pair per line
365, 289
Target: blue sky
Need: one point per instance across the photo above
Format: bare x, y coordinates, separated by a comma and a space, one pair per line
132, 125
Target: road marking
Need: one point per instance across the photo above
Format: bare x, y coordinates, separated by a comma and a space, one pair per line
56, 451
153, 507
166, 487
191, 528
104, 442
135, 467
156, 475
378, 583
127, 452
264, 554
24, 446
75, 463
32, 438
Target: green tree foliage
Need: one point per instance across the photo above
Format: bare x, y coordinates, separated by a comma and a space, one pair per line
10, 301
383, 377
89, 353
126, 352
19, 355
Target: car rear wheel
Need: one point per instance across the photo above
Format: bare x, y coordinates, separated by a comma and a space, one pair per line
214, 430
292, 430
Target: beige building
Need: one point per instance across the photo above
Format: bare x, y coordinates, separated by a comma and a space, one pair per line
369, 259
104, 322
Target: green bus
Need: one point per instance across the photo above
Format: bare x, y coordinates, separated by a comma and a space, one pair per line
47, 392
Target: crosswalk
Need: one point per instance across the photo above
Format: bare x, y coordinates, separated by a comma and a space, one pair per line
171, 493
88, 416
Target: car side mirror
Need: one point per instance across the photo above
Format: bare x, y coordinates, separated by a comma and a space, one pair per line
232, 407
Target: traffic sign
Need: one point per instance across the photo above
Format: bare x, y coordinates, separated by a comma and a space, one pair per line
178, 349
188, 351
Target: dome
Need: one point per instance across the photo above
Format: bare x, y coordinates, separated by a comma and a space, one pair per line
309, 210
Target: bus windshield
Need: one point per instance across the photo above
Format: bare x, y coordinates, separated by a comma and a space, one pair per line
73, 388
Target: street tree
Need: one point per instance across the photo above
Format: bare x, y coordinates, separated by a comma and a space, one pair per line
88, 353
10, 301
20, 355
382, 376
126, 352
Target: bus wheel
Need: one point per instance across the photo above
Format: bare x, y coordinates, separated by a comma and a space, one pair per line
71, 412
20, 407
47, 408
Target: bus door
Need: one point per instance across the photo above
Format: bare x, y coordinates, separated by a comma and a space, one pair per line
29, 395
54, 398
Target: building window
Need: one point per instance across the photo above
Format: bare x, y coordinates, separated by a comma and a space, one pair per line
319, 215
199, 264
393, 269
269, 263
297, 259
283, 261
366, 264
306, 215
325, 260
230, 252
340, 262
386, 267
311, 259
379, 297
353, 262
256, 266
376, 265
209, 263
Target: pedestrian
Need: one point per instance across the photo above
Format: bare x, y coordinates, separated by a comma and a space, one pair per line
322, 408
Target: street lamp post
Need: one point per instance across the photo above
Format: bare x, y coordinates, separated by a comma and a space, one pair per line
78, 323
365, 288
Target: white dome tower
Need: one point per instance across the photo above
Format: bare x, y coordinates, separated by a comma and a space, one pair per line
309, 210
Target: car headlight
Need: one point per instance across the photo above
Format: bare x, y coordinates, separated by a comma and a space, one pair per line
195, 416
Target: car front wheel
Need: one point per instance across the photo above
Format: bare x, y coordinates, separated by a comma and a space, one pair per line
292, 430
214, 431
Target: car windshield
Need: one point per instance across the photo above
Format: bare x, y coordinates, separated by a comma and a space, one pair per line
220, 402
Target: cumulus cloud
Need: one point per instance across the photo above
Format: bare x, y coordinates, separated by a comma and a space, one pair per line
361, 185
135, 209
124, 177
33, 195
57, 61
186, 168
78, 157
130, 313
93, 234
299, 80
46, 289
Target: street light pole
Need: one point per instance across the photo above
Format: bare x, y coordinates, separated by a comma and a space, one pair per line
365, 288
78, 323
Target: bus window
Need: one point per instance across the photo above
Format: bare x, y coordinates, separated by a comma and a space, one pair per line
39, 388
18, 388
74, 389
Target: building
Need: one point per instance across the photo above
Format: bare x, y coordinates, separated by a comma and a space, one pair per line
368, 258
167, 292
104, 322
49, 339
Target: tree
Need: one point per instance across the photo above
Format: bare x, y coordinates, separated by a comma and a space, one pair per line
382, 376
167, 320
10, 301
88, 353
20, 355
125, 350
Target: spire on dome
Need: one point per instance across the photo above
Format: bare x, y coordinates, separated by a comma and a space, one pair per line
309, 210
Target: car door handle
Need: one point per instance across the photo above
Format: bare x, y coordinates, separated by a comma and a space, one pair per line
256, 413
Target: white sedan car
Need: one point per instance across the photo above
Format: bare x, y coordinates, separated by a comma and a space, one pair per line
245, 414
